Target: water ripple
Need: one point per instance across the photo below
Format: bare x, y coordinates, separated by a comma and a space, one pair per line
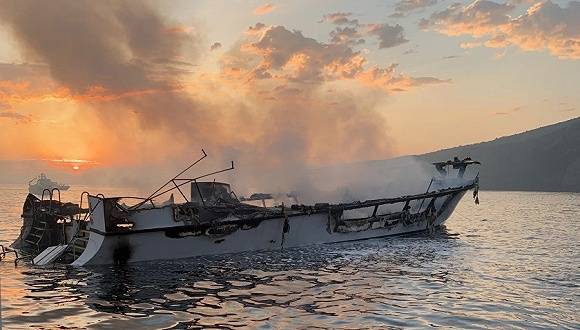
509, 263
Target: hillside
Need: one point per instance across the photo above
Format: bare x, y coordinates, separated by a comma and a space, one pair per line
543, 159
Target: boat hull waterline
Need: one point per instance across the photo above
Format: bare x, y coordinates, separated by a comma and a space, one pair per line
155, 244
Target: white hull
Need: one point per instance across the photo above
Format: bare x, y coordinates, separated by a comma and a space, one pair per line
149, 239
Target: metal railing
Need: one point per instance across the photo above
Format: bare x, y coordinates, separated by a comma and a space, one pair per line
179, 182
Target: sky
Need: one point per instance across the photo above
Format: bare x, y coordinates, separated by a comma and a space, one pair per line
103, 85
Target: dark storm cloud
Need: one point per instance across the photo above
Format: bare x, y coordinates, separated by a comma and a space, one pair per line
113, 47
22, 71
94, 43
388, 35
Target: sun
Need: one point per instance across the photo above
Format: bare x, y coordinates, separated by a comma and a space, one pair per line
75, 165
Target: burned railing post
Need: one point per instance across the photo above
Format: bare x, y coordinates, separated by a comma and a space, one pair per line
154, 194
375, 211
181, 192
422, 201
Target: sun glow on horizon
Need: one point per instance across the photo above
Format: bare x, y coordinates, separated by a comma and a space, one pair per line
75, 165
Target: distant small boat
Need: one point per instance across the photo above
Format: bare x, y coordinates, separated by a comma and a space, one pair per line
41, 183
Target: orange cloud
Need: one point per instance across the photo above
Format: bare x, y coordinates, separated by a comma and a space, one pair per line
16, 93
288, 56
544, 26
264, 9
390, 80
18, 117
19, 92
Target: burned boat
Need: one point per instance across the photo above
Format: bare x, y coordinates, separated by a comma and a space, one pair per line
213, 220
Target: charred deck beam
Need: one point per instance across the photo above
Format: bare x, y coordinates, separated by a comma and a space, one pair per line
256, 218
383, 201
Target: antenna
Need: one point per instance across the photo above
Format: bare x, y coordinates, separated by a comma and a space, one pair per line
180, 173
183, 181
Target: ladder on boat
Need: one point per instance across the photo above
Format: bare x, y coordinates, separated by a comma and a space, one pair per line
64, 252
37, 232
41, 231
39, 227
78, 244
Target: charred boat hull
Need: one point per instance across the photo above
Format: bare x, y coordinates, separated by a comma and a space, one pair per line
159, 237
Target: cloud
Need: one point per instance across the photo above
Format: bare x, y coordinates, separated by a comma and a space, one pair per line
18, 117
340, 18
17, 93
352, 32
256, 28
548, 26
264, 9
120, 48
544, 26
215, 45
404, 7
316, 101
346, 35
470, 45
389, 79
22, 71
477, 18
147, 37
388, 35
127, 69
120, 73
508, 112
289, 56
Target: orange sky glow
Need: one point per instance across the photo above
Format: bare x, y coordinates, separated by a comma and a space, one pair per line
344, 83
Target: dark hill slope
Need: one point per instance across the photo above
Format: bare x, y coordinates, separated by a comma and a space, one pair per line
543, 159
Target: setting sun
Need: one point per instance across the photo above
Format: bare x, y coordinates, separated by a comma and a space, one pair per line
71, 164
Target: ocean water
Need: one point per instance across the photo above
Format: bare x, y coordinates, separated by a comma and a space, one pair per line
511, 262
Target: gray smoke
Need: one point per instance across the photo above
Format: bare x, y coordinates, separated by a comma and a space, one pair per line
128, 51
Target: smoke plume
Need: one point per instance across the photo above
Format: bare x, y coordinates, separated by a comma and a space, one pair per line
282, 102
